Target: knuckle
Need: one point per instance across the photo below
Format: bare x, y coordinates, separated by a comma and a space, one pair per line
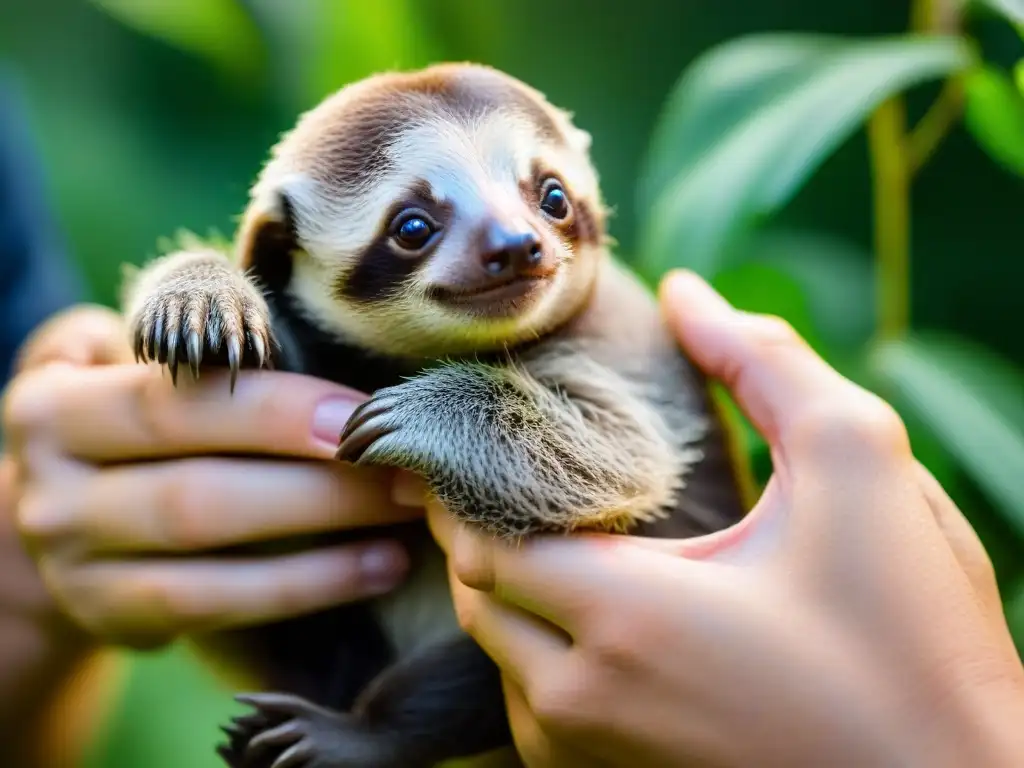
27, 406
471, 562
562, 703
612, 645
466, 613
861, 423
152, 606
38, 517
75, 594
158, 418
772, 331
289, 595
182, 504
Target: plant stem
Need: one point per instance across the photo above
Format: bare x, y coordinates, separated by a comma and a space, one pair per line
895, 158
941, 116
891, 177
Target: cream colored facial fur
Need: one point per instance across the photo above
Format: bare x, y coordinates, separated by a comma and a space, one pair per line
477, 164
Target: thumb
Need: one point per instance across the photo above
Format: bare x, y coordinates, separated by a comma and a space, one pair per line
85, 335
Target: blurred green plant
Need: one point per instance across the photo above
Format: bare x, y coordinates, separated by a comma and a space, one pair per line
749, 123
198, 26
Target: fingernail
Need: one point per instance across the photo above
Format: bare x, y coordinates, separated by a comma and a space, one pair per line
330, 418
382, 567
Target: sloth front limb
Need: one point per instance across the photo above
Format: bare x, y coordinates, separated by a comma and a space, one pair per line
196, 306
554, 443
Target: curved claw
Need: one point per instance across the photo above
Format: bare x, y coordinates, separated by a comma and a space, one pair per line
172, 355
226, 753
234, 356
281, 736
363, 412
259, 348
195, 353
362, 430
278, 703
232, 730
295, 756
157, 342
175, 328
354, 446
250, 720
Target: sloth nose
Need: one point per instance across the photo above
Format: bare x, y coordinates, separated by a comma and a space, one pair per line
508, 253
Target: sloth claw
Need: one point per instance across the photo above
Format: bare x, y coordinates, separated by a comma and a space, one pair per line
285, 731
368, 423
195, 353
215, 329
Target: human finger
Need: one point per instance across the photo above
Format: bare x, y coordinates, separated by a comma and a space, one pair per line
83, 335
537, 748
191, 504
564, 580
963, 540
130, 412
793, 397
525, 647
165, 598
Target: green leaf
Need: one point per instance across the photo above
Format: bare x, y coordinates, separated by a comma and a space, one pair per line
717, 94
751, 120
994, 115
759, 287
184, 702
345, 41
971, 401
835, 276
1013, 10
220, 31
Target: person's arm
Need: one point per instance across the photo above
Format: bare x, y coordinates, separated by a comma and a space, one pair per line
39, 652
37, 279
47, 668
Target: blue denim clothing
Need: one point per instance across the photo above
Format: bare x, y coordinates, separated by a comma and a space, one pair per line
36, 277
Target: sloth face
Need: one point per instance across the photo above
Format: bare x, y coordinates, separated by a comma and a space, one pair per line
448, 211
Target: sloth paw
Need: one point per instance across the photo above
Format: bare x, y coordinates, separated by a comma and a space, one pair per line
224, 325
287, 731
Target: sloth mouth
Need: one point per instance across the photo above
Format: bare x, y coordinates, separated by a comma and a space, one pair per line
498, 294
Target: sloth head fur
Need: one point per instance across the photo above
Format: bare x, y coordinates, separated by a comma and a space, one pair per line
430, 213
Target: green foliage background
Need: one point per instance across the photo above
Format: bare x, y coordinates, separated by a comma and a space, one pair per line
859, 174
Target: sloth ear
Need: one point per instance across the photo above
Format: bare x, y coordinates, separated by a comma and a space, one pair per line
267, 237
578, 138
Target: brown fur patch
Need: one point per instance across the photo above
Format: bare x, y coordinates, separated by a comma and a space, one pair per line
586, 228
379, 273
343, 142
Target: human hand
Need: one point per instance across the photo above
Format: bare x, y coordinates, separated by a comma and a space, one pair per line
851, 619
117, 472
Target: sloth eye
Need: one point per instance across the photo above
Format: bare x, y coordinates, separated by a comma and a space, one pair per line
554, 201
412, 231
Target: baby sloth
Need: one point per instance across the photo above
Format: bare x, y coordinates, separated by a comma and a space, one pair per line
437, 239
